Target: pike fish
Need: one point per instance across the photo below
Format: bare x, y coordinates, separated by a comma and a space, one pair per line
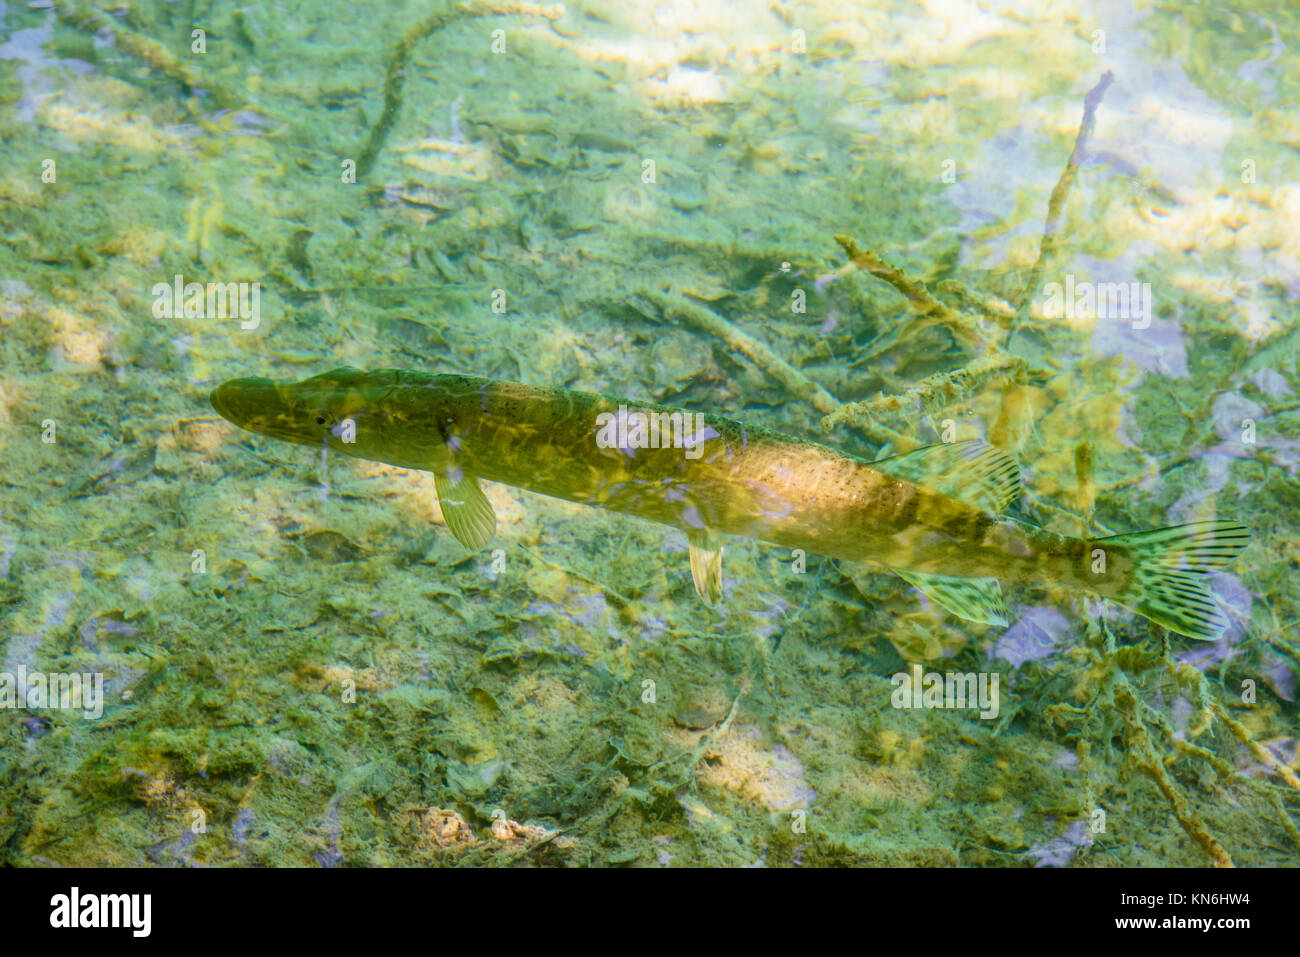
933, 516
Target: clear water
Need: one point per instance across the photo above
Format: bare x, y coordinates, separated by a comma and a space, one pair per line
299, 666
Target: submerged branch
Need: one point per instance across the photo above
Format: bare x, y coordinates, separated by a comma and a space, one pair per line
152, 52
965, 329
708, 321
1047, 248
933, 392
396, 73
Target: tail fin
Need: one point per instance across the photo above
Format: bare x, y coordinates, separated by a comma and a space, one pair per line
1169, 574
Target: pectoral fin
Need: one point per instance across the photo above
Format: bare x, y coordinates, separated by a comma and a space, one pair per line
975, 599
706, 565
468, 513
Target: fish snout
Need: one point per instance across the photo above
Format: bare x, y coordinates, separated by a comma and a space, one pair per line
238, 400
222, 400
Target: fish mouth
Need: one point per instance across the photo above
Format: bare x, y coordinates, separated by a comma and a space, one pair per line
229, 398
266, 407
220, 400
247, 401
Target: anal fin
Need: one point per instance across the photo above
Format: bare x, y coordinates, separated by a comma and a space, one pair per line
469, 514
706, 565
975, 599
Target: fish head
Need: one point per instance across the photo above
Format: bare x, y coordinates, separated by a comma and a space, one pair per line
351, 411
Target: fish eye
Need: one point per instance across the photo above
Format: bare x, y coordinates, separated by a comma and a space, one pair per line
320, 420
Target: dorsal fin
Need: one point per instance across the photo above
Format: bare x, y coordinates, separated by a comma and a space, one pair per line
974, 472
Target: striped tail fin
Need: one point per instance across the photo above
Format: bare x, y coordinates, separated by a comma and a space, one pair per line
1170, 572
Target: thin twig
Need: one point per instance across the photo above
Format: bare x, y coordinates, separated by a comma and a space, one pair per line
923, 303
933, 392
708, 321
1047, 248
396, 74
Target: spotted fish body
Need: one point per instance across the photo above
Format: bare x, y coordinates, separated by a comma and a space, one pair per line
930, 515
